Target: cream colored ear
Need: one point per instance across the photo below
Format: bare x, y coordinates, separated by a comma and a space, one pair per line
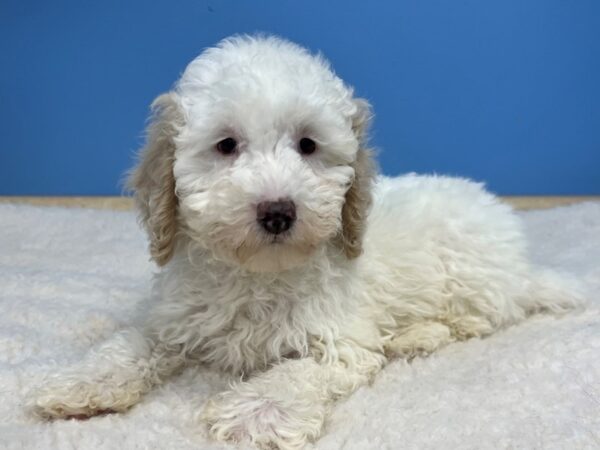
152, 179
358, 196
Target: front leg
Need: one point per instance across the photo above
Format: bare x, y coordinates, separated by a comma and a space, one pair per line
286, 406
111, 378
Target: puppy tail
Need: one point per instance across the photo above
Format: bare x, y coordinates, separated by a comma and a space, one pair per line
555, 293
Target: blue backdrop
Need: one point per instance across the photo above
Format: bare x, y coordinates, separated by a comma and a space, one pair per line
506, 91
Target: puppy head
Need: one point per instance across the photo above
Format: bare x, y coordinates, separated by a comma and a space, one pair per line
259, 156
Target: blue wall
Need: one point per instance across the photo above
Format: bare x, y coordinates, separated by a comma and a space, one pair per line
506, 91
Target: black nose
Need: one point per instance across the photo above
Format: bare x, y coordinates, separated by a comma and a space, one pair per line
276, 217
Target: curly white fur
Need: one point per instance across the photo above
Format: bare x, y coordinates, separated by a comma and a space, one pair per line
301, 317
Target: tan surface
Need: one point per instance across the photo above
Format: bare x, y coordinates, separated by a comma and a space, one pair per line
542, 202
126, 203
117, 203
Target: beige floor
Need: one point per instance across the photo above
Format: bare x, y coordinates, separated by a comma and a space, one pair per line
125, 203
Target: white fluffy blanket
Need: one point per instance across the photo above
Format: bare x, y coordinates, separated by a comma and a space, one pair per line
69, 278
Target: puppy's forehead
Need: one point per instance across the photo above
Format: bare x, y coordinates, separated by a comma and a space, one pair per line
263, 72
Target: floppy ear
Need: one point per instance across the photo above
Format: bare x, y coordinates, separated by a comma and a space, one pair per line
152, 179
358, 196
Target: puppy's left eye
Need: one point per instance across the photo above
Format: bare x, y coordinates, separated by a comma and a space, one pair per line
307, 146
227, 146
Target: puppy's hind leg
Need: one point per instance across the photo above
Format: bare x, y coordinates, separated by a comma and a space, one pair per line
552, 292
424, 337
111, 378
420, 338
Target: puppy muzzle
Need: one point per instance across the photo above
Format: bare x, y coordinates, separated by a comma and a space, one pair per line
276, 217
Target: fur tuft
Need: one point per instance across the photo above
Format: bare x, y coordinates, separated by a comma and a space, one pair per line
153, 182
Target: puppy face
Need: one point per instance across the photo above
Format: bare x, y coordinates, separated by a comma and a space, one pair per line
264, 157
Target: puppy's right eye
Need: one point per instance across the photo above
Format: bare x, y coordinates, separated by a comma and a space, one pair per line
227, 146
307, 146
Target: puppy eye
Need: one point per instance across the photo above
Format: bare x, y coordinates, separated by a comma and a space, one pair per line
227, 146
307, 146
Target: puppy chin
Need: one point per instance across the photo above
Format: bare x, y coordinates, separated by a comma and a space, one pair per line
274, 257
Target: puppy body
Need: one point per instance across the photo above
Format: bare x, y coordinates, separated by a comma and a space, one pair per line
414, 272
372, 267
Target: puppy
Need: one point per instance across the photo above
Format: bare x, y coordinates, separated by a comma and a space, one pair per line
286, 260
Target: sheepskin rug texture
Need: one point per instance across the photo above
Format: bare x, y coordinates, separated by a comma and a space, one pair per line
71, 277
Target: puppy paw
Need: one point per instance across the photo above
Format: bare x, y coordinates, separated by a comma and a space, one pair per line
64, 398
266, 423
111, 378
419, 339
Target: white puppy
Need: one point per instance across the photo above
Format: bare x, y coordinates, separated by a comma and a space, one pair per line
286, 261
